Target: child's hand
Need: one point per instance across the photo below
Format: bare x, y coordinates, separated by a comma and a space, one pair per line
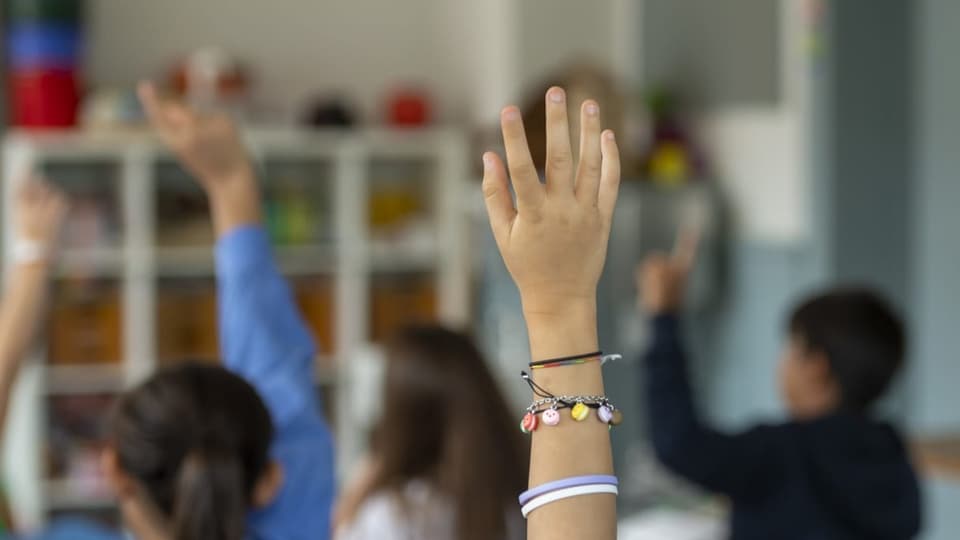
554, 242
208, 145
662, 279
41, 209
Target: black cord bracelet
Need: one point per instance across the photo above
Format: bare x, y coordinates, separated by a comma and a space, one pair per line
565, 359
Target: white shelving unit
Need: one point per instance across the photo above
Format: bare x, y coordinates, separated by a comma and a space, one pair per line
379, 207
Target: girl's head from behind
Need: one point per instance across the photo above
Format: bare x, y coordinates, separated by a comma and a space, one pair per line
445, 421
188, 454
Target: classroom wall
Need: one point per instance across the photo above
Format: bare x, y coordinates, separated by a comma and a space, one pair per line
473, 56
298, 47
936, 252
742, 70
936, 249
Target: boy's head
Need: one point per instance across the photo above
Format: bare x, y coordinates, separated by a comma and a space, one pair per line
844, 347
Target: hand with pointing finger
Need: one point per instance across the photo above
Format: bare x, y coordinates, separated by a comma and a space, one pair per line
554, 241
662, 279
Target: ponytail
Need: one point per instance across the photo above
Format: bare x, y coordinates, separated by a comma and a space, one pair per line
210, 502
197, 440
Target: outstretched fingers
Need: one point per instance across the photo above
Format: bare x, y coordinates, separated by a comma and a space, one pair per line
523, 174
609, 175
559, 164
588, 172
496, 194
168, 118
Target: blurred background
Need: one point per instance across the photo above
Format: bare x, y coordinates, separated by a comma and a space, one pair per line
814, 140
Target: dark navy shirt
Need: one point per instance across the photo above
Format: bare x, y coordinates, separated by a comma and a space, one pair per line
838, 477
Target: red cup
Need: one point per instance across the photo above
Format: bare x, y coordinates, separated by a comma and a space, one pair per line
44, 97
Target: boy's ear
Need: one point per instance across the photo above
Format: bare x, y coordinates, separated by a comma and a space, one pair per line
818, 361
268, 487
119, 481
819, 365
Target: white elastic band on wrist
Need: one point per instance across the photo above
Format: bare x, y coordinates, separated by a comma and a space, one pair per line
28, 252
566, 493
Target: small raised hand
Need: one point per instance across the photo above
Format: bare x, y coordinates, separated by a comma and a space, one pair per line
41, 210
662, 279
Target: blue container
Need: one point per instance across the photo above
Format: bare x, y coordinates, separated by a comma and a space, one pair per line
34, 45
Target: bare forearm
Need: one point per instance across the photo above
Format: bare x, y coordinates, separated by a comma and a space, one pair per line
570, 449
19, 315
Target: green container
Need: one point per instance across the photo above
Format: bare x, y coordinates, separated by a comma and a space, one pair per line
49, 11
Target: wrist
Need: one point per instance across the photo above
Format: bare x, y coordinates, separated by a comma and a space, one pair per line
563, 329
234, 202
29, 252
554, 306
224, 183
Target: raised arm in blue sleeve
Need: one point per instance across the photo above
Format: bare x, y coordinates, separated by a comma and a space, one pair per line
741, 465
264, 340
263, 337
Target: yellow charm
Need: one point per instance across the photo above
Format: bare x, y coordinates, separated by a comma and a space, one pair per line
580, 412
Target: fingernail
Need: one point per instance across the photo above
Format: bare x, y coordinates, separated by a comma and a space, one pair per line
609, 135
487, 161
592, 109
556, 95
511, 113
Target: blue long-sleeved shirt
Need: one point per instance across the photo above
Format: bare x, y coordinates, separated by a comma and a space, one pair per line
838, 477
265, 341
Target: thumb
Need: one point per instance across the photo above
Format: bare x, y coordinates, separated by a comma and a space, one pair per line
147, 94
168, 118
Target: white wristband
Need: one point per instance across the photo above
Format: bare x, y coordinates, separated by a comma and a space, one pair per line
566, 493
28, 252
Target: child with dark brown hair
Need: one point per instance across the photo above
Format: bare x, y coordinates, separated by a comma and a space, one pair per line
831, 470
448, 460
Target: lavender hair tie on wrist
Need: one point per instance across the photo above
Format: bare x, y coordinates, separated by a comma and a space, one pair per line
574, 481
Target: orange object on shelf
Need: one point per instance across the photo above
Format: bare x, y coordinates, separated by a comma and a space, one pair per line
314, 297
85, 324
400, 300
187, 322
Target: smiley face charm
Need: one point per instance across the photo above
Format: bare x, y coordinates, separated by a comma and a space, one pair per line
580, 412
529, 423
551, 417
605, 413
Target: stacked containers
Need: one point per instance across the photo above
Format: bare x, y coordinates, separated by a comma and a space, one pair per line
44, 45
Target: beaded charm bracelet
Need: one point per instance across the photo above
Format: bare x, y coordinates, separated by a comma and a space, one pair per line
548, 407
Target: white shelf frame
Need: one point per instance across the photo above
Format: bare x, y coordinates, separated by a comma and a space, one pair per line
138, 264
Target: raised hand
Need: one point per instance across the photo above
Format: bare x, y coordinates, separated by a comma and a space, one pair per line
209, 147
662, 279
41, 209
554, 240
